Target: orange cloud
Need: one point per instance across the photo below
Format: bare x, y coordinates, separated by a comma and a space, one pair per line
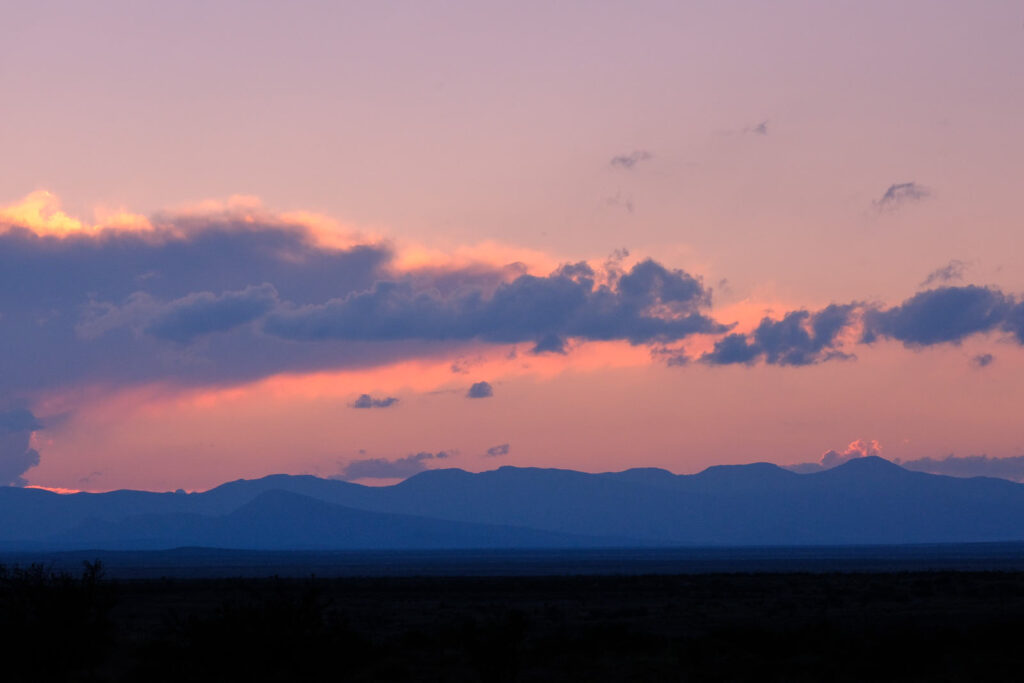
40, 212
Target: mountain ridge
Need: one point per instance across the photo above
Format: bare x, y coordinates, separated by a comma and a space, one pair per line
864, 501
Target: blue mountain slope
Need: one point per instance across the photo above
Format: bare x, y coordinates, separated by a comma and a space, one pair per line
279, 520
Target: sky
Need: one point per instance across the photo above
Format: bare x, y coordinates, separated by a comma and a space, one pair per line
360, 240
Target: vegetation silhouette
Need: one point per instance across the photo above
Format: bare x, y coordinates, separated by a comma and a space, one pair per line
54, 624
908, 626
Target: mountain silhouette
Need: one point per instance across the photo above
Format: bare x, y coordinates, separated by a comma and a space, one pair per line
278, 520
864, 501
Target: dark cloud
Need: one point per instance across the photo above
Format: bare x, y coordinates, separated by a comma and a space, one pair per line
1014, 321
970, 466
954, 270
122, 308
16, 454
646, 304
799, 338
380, 468
628, 161
945, 314
220, 299
983, 360
480, 390
499, 450
731, 349
367, 401
550, 343
899, 194
201, 313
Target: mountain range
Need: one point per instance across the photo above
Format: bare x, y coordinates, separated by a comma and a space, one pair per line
864, 501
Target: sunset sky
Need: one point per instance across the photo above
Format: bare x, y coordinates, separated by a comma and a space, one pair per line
364, 239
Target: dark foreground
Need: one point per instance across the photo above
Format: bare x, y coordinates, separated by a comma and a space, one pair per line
908, 626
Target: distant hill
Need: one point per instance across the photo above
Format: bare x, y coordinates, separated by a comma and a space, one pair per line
865, 501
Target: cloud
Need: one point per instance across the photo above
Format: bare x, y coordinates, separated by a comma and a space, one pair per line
649, 303
898, 194
550, 343
117, 307
983, 360
380, 468
628, 161
833, 458
184, 319
799, 338
945, 314
954, 270
367, 401
480, 390
759, 129
625, 201
230, 296
970, 466
16, 454
499, 450
226, 296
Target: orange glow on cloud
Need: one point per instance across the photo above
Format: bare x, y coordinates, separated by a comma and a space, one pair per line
411, 257
40, 212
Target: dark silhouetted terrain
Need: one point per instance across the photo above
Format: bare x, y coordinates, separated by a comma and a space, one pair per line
865, 501
909, 626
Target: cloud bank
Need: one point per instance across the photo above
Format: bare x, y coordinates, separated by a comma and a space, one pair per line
214, 297
230, 296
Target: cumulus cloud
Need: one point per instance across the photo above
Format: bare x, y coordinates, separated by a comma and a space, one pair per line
499, 450
833, 458
367, 401
628, 161
799, 338
898, 194
1011, 468
480, 390
954, 270
381, 468
16, 454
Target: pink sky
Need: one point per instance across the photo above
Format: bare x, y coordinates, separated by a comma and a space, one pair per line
467, 137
